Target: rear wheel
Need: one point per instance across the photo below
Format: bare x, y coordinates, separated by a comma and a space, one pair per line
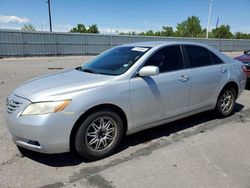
99, 135
226, 102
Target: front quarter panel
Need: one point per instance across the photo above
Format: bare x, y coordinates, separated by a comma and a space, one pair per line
115, 93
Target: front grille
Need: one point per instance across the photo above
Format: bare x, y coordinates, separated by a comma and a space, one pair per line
12, 105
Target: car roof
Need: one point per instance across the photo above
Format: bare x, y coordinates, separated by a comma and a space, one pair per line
161, 43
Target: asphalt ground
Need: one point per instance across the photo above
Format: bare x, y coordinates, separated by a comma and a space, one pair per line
199, 151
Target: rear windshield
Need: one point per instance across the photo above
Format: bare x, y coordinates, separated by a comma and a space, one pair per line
115, 61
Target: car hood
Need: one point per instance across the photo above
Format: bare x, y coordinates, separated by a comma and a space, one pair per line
59, 84
243, 58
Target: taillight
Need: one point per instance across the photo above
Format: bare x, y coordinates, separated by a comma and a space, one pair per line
244, 68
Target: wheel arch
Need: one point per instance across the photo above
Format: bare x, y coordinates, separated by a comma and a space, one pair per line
93, 109
232, 84
222, 113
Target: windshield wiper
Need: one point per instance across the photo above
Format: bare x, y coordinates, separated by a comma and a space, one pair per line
94, 72
86, 70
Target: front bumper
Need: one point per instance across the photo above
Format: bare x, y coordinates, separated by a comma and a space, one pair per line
48, 133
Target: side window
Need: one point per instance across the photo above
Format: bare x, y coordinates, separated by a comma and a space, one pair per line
198, 56
216, 60
157, 60
167, 59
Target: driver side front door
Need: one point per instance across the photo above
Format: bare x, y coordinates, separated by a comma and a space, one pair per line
164, 96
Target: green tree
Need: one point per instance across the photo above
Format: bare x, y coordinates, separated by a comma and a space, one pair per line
28, 27
150, 33
133, 33
222, 32
157, 33
167, 31
240, 35
142, 33
129, 33
203, 34
80, 28
189, 28
92, 29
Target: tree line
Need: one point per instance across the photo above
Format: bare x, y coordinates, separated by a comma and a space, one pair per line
79, 28
191, 27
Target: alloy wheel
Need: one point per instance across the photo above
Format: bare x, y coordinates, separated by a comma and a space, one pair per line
101, 133
227, 101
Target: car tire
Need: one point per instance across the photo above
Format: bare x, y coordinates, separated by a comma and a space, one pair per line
99, 135
226, 102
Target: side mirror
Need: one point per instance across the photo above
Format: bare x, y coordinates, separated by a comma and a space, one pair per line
149, 71
245, 52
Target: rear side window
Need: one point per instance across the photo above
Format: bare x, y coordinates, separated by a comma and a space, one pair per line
198, 56
216, 60
167, 59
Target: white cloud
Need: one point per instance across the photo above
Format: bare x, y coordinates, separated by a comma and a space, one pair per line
13, 19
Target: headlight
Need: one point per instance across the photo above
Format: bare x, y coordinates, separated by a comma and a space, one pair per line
45, 107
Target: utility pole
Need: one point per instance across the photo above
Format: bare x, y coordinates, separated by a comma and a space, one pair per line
50, 23
209, 17
217, 23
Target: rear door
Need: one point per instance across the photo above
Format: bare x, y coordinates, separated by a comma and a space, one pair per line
207, 75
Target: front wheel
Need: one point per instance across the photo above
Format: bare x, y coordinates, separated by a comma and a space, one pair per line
99, 135
226, 102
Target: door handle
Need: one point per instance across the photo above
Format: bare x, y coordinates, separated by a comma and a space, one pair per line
183, 78
223, 70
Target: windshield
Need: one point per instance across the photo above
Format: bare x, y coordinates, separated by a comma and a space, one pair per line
115, 61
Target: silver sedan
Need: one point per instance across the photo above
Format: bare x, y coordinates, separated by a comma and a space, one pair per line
122, 91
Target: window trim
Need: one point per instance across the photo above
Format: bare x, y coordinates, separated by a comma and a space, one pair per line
187, 59
211, 53
136, 74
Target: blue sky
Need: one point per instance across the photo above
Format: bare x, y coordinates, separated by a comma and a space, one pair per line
129, 15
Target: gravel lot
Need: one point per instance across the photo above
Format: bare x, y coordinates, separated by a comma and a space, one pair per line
199, 151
